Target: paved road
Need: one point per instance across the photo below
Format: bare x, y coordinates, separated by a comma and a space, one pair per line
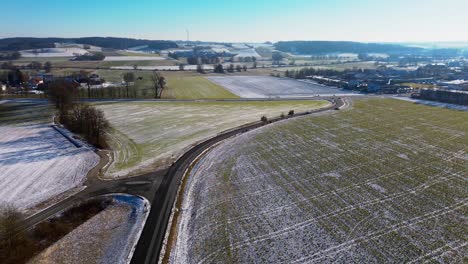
145, 185
151, 240
160, 188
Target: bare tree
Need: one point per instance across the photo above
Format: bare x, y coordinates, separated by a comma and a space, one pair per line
128, 77
159, 83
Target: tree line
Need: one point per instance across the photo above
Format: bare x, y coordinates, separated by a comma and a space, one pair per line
12, 44
83, 119
10, 55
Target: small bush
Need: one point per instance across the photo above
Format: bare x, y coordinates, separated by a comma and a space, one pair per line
291, 113
264, 119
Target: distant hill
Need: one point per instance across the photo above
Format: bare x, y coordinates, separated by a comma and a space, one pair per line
324, 47
12, 44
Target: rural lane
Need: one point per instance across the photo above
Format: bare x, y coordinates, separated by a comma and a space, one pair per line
160, 188
151, 240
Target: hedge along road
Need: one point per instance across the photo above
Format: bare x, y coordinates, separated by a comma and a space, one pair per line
151, 240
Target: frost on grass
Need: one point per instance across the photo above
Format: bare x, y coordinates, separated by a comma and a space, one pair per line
108, 237
37, 163
272, 87
315, 190
153, 134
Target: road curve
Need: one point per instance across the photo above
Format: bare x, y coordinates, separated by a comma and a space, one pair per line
151, 240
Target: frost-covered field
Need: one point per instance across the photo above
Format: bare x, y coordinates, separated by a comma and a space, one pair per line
383, 182
272, 87
133, 58
163, 68
36, 162
148, 135
108, 237
246, 53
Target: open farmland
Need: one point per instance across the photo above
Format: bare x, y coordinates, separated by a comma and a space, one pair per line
383, 182
272, 87
108, 237
148, 135
36, 162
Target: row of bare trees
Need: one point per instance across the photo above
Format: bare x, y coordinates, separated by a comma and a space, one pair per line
157, 80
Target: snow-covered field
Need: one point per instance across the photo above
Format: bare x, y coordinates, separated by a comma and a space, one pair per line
383, 182
53, 52
163, 68
272, 87
38, 163
108, 237
246, 53
150, 135
133, 58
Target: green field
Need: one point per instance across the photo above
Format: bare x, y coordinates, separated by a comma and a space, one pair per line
195, 87
148, 135
382, 182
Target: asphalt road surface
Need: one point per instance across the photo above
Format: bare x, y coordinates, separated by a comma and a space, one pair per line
151, 239
159, 187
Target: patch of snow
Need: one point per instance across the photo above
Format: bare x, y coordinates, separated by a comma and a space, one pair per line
335, 175
377, 187
403, 156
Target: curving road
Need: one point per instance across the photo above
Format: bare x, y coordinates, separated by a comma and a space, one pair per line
160, 188
151, 240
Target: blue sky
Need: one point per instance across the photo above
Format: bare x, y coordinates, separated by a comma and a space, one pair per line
240, 20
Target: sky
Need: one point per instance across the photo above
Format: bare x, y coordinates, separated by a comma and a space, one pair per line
239, 20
